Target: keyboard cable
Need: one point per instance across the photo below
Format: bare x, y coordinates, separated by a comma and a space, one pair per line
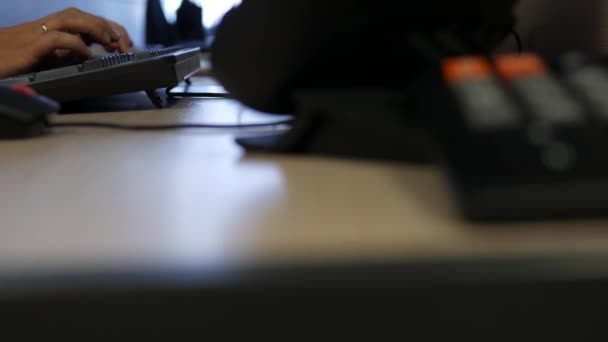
102, 125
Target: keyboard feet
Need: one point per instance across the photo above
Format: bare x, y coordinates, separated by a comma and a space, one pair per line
155, 98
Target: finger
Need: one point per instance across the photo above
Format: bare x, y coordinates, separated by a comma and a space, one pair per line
125, 43
56, 40
76, 21
113, 47
124, 46
62, 53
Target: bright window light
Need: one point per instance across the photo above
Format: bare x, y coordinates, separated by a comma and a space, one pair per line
170, 8
213, 10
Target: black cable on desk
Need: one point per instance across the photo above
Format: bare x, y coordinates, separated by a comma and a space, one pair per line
163, 127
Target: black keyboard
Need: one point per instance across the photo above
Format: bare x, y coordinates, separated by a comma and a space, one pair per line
147, 70
522, 137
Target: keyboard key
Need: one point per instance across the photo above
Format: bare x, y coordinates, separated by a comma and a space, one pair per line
485, 104
589, 81
547, 99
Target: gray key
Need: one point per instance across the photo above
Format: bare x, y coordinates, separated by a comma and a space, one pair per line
486, 105
548, 100
592, 83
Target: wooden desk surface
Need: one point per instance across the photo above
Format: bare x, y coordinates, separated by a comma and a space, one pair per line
86, 198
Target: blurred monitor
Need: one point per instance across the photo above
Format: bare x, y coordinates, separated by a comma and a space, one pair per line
185, 22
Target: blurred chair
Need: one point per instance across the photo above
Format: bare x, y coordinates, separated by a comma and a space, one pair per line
190, 22
187, 28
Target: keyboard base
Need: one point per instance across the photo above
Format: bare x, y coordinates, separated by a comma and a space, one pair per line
113, 75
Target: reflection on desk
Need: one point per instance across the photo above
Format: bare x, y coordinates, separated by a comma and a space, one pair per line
84, 198
182, 231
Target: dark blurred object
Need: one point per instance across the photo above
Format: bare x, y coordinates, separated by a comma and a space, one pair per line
338, 122
265, 51
23, 113
190, 22
553, 27
520, 139
541, 298
188, 27
158, 30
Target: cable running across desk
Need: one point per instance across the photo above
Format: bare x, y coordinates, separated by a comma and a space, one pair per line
164, 127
